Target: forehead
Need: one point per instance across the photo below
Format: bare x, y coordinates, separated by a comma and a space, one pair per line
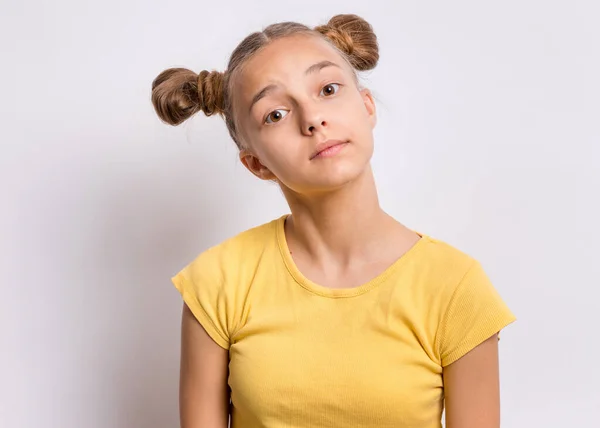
285, 60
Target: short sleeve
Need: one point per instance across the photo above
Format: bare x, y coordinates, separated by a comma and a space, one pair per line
473, 314
201, 287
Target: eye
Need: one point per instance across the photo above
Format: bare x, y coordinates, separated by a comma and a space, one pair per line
330, 89
276, 116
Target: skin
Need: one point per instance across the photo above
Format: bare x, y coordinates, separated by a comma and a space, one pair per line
338, 234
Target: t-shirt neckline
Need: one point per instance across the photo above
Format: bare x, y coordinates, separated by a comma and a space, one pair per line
324, 291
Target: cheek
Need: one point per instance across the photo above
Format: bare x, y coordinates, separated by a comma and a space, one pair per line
281, 152
354, 102
352, 114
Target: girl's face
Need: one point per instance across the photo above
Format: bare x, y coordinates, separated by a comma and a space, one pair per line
294, 98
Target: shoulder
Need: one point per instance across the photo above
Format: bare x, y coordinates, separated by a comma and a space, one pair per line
214, 284
448, 273
228, 257
457, 300
444, 263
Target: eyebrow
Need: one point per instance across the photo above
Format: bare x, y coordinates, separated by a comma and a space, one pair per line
315, 68
261, 94
319, 66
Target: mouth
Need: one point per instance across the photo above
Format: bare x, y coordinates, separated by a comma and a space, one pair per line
328, 148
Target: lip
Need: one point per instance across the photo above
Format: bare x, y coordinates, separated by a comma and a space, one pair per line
324, 146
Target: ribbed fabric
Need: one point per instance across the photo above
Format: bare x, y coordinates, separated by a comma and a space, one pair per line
303, 355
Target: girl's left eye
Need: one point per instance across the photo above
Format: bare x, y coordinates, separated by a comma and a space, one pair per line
330, 89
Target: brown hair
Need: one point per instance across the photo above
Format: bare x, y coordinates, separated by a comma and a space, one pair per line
179, 93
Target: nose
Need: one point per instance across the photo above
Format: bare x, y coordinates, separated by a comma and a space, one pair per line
313, 120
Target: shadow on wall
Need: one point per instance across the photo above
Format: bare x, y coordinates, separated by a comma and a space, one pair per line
154, 217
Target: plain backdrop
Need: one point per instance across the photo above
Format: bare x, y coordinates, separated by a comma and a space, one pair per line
487, 138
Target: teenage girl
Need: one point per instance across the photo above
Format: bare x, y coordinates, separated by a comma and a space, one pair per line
336, 315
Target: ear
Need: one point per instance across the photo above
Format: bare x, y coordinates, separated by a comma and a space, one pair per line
369, 103
254, 165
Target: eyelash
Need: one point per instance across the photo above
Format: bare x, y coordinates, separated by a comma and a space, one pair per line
339, 85
329, 84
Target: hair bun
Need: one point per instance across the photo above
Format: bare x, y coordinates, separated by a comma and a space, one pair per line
355, 37
179, 93
210, 92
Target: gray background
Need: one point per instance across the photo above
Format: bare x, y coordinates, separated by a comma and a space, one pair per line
487, 138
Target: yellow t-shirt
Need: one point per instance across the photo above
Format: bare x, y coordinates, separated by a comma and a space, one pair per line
304, 355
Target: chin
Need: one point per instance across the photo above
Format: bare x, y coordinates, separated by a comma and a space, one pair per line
341, 176
334, 177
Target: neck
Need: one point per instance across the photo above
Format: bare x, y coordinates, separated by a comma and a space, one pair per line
340, 225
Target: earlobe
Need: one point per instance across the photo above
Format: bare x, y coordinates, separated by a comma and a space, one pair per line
370, 105
253, 164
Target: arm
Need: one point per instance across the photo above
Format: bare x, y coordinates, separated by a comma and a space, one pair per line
203, 390
472, 388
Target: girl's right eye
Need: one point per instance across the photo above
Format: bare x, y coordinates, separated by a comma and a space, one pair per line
276, 116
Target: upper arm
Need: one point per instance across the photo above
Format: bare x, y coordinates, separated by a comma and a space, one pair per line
472, 388
203, 390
